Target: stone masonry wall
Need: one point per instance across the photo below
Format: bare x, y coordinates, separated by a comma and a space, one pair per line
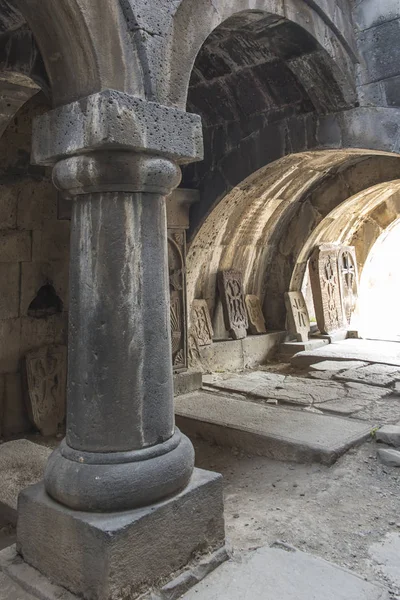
377, 25
34, 247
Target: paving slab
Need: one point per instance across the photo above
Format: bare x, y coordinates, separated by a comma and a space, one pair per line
284, 574
333, 396
376, 374
279, 433
389, 457
22, 463
337, 365
389, 434
369, 351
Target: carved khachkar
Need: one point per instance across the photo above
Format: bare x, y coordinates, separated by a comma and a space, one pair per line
255, 315
297, 314
348, 280
46, 381
324, 277
177, 286
231, 291
201, 326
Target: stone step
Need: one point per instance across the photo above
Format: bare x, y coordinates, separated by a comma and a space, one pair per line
369, 351
287, 574
22, 463
279, 433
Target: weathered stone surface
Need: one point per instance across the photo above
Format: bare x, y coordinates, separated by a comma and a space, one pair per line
121, 122
231, 293
177, 294
46, 382
324, 277
337, 365
10, 290
10, 335
389, 434
15, 415
22, 463
201, 323
385, 554
51, 241
15, 246
255, 315
297, 314
348, 281
362, 350
186, 382
286, 573
389, 457
279, 433
381, 375
124, 552
328, 395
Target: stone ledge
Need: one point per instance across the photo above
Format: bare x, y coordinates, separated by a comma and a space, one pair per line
126, 553
112, 120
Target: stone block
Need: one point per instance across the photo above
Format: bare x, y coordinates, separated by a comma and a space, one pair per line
37, 204
122, 122
52, 242
15, 414
389, 434
15, 246
9, 290
36, 274
381, 52
22, 463
187, 382
124, 553
257, 350
10, 336
389, 457
8, 207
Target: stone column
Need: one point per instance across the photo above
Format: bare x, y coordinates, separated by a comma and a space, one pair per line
121, 450
117, 156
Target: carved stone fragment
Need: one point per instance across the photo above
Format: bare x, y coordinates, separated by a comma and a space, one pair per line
255, 314
201, 325
297, 314
348, 281
231, 292
46, 382
177, 285
324, 277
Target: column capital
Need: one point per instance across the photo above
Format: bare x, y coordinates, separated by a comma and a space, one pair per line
115, 121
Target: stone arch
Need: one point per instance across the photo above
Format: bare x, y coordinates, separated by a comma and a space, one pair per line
80, 60
261, 226
195, 20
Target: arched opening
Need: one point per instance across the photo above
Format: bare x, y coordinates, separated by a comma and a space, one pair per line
378, 311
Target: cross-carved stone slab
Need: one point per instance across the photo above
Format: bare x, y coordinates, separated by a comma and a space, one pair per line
348, 281
255, 314
46, 382
324, 277
231, 292
297, 314
201, 326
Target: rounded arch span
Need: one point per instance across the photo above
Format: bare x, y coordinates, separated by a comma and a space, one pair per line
262, 225
359, 221
195, 20
82, 58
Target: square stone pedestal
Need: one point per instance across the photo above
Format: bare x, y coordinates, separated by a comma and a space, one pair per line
115, 556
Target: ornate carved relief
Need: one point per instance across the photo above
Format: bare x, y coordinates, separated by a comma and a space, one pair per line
177, 286
297, 314
201, 325
348, 281
235, 314
46, 381
255, 315
324, 277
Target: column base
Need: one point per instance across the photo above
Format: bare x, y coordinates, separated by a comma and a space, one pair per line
121, 555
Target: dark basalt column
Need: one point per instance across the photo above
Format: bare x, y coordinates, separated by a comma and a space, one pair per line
121, 449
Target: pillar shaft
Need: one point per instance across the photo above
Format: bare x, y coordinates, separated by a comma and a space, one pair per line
122, 449
120, 379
